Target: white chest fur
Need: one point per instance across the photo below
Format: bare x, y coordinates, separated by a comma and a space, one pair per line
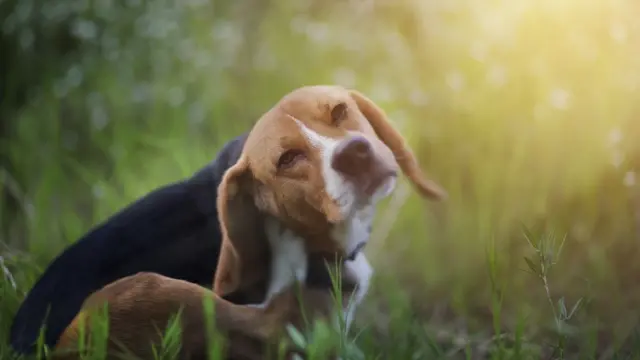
290, 264
361, 271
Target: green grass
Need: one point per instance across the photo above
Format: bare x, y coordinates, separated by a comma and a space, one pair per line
388, 327
401, 335
525, 111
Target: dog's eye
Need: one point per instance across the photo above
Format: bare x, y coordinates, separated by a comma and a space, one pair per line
290, 157
338, 113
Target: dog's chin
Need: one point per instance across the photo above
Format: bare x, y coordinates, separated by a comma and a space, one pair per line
384, 190
361, 201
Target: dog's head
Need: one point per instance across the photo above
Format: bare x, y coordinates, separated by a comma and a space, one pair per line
316, 162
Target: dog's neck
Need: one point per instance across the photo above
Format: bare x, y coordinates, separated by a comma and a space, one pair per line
355, 230
290, 261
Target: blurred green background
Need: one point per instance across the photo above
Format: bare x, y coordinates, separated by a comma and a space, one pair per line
526, 111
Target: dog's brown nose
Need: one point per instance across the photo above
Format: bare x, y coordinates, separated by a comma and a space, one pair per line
352, 156
356, 160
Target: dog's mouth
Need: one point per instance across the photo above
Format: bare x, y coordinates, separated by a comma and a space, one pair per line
374, 189
379, 186
355, 197
361, 171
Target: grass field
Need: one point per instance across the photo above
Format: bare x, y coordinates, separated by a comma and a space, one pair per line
525, 111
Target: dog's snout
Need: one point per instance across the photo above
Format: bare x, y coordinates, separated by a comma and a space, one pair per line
352, 156
355, 159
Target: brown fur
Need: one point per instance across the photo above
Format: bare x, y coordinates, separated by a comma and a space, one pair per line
255, 188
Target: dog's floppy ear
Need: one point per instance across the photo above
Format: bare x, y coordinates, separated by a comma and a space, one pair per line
243, 236
394, 140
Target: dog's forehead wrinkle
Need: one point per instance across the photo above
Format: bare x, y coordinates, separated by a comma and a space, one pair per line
322, 143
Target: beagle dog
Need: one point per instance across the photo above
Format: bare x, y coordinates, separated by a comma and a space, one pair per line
307, 181
332, 154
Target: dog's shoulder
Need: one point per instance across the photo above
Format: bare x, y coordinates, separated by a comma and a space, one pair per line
203, 185
227, 157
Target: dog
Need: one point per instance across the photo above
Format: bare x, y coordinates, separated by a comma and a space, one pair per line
338, 112
310, 174
336, 154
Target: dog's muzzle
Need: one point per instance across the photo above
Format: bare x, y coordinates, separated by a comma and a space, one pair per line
355, 159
